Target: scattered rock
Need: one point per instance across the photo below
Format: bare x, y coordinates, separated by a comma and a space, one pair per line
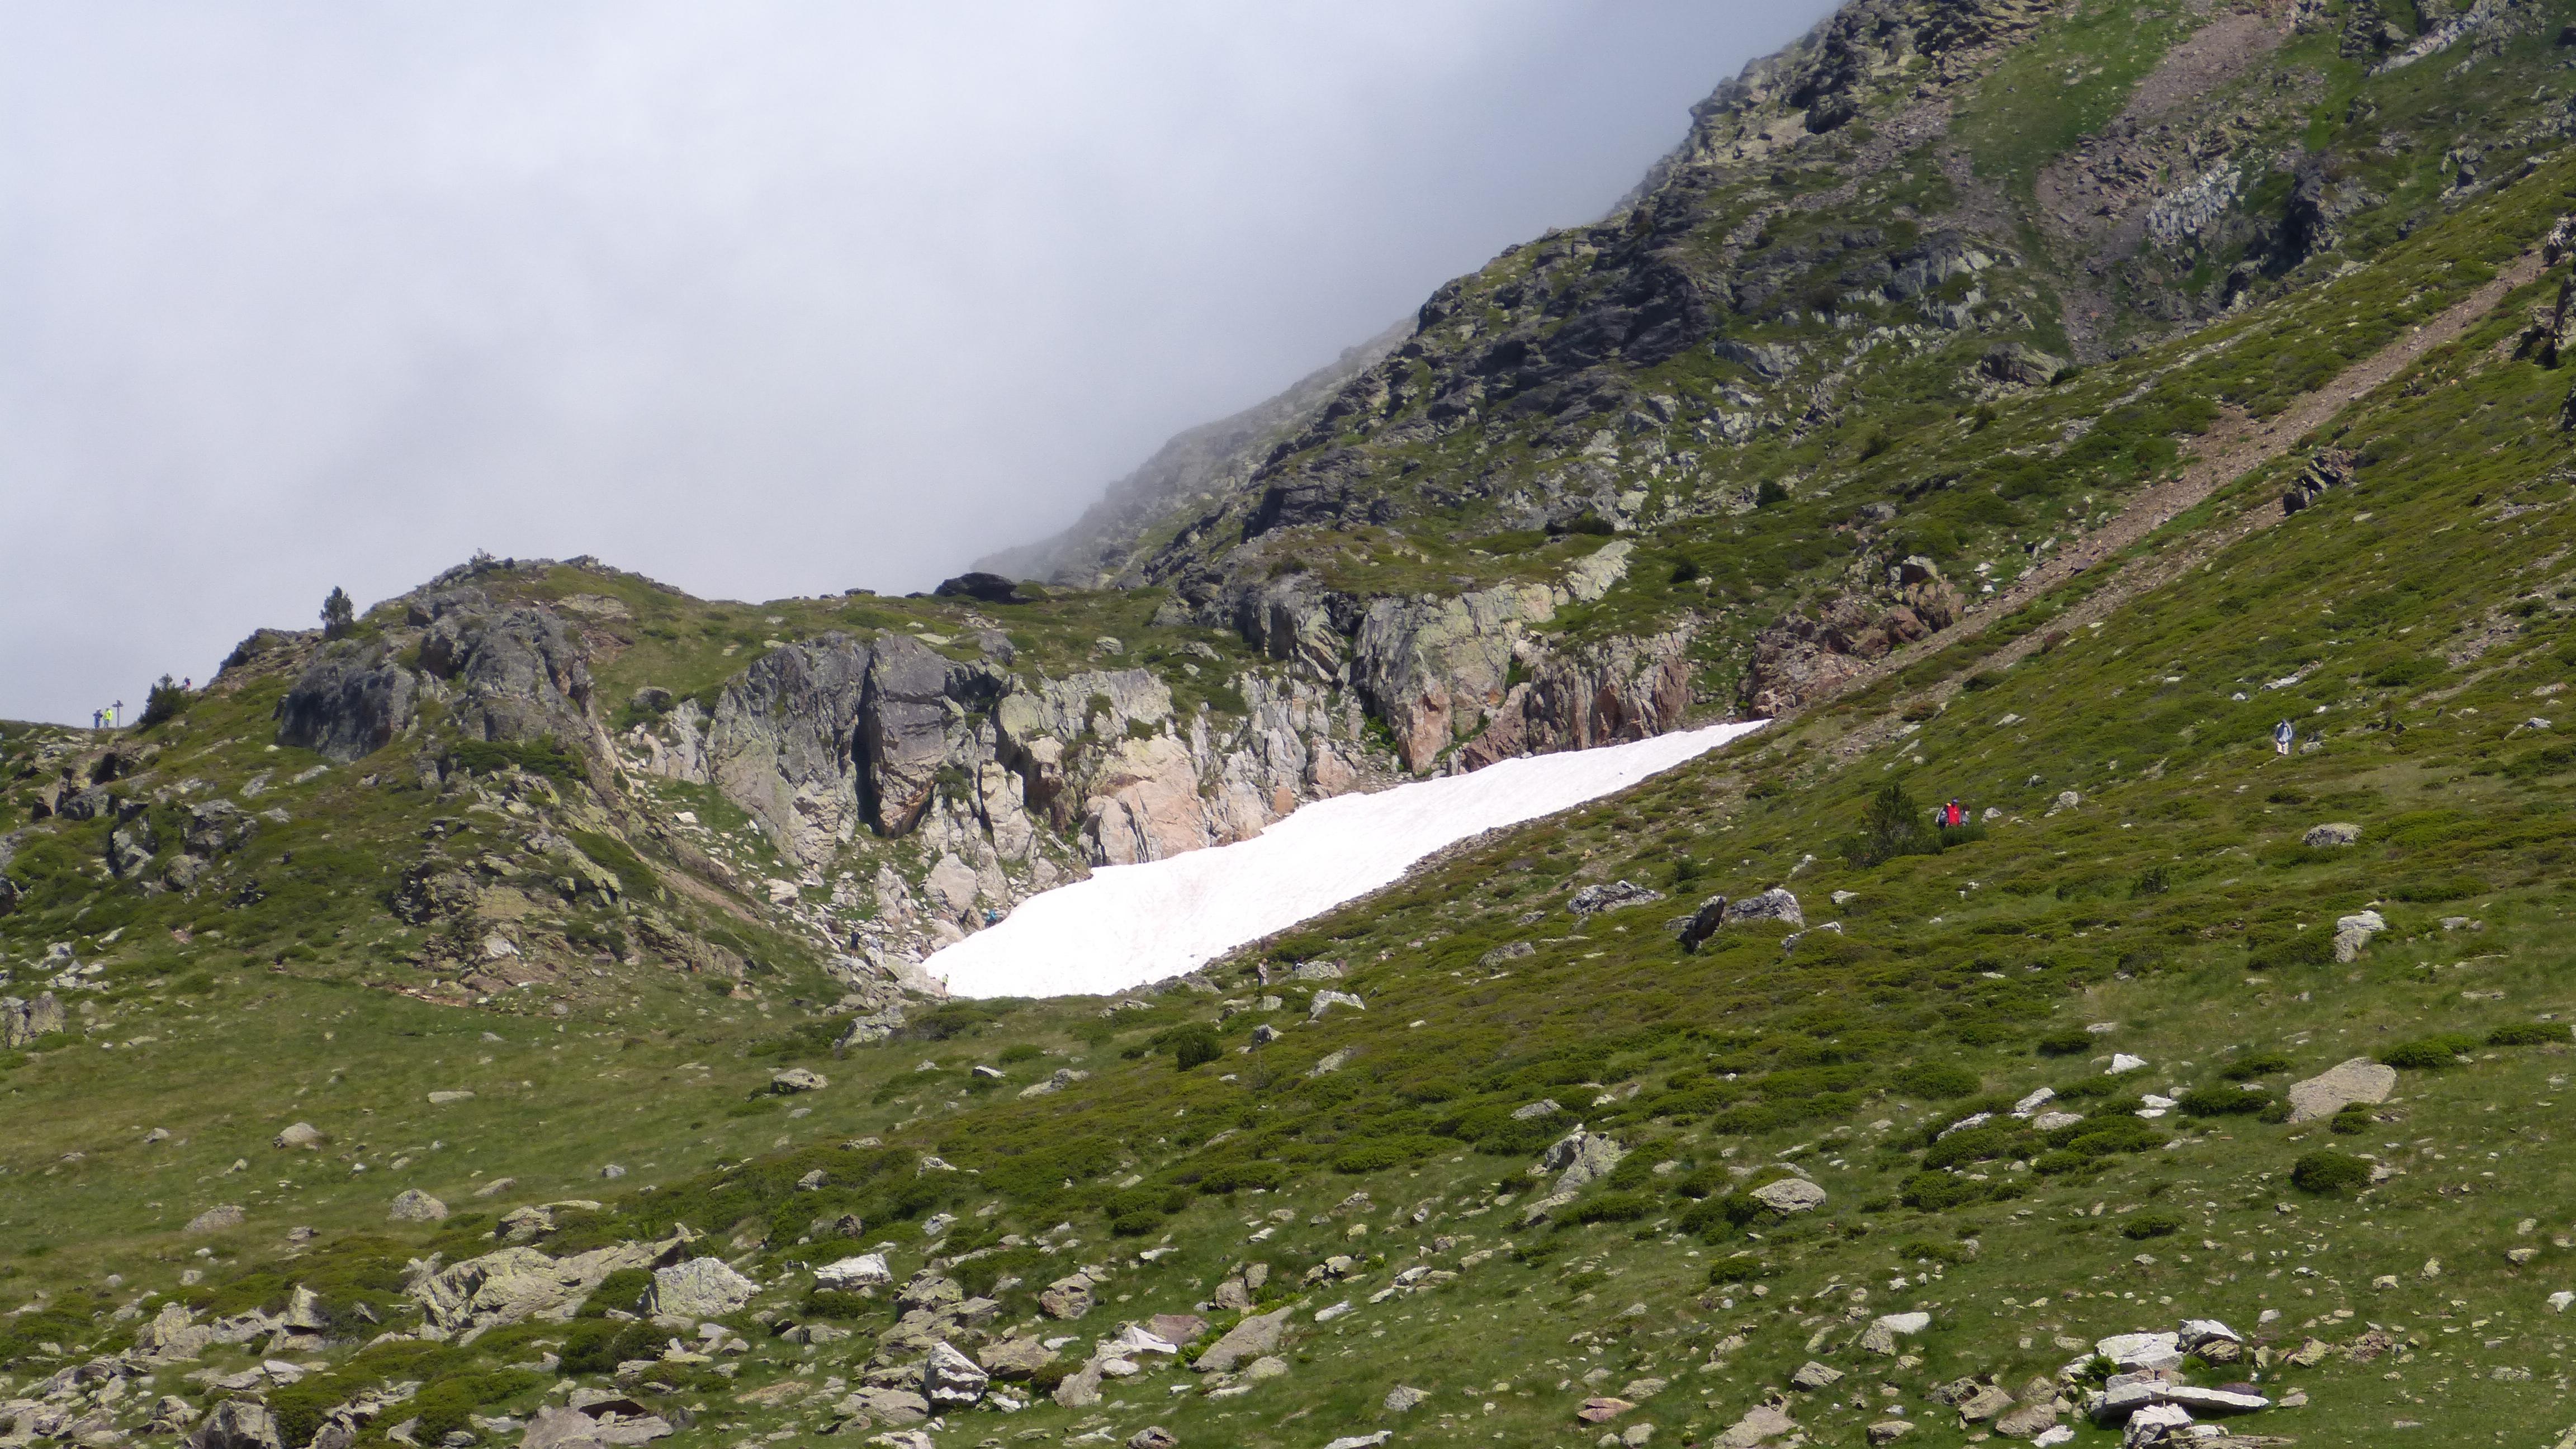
1014, 1358
951, 1380
1153, 1436
1602, 1410
414, 1206
1594, 899
2335, 833
1763, 1421
2028, 1421
1580, 1157
1544, 1107
1883, 1333
1888, 1431
1812, 1376
1402, 1400
864, 1271
237, 1424
2353, 932
2357, 1080
1254, 1337
303, 1136
1789, 1195
1983, 1403
2123, 1062
1326, 1000
797, 1079
448, 1099
1066, 1298
216, 1219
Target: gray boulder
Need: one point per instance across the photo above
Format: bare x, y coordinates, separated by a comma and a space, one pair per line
22, 1022
951, 1380
414, 1206
1253, 1337
217, 827
699, 1288
237, 1424
2330, 1091
216, 1219
1789, 1195
1580, 1157
2334, 833
1775, 904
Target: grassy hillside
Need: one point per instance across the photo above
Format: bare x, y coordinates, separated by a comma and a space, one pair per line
2147, 916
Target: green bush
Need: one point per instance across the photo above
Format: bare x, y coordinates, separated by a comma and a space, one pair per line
544, 757
166, 702
2256, 1064
1736, 1270
1385, 1152
1977, 1144
1021, 1051
2352, 1119
1238, 1176
1934, 1192
2527, 1033
1937, 1081
443, 1406
1617, 1207
832, 1303
2074, 1042
1894, 825
622, 1290
2222, 1102
2430, 1053
2154, 1224
1196, 1046
2329, 1171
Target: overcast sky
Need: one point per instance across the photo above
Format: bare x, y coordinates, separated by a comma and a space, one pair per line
756, 298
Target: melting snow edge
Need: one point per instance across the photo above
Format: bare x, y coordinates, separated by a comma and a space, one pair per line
1130, 924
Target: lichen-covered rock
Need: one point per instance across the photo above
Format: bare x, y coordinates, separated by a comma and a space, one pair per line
699, 1288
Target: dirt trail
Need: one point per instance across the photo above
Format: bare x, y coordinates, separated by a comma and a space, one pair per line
2237, 446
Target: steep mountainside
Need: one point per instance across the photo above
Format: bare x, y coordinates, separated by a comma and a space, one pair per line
2144, 425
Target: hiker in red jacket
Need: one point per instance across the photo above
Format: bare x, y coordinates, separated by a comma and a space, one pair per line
1954, 815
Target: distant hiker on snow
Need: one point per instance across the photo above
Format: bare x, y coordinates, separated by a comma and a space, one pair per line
2283, 735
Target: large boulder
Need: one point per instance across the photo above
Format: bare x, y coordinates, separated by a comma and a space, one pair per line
1251, 1338
22, 1022
2330, 1091
1580, 1157
699, 1288
411, 1205
951, 1380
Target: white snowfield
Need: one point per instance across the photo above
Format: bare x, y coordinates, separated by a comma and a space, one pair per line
1130, 924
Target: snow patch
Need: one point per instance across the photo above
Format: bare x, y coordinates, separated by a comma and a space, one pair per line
1130, 924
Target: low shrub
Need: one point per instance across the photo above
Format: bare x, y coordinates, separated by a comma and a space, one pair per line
2328, 1171
2222, 1102
2430, 1053
2351, 1119
1937, 1081
2527, 1033
2073, 1042
2256, 1064
2154, 1224
1617, 1207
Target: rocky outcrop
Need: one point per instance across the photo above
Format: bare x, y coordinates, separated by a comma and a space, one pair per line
513, 1284
1804, 658
1607, 693
348, 703
517, 675
784, 743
